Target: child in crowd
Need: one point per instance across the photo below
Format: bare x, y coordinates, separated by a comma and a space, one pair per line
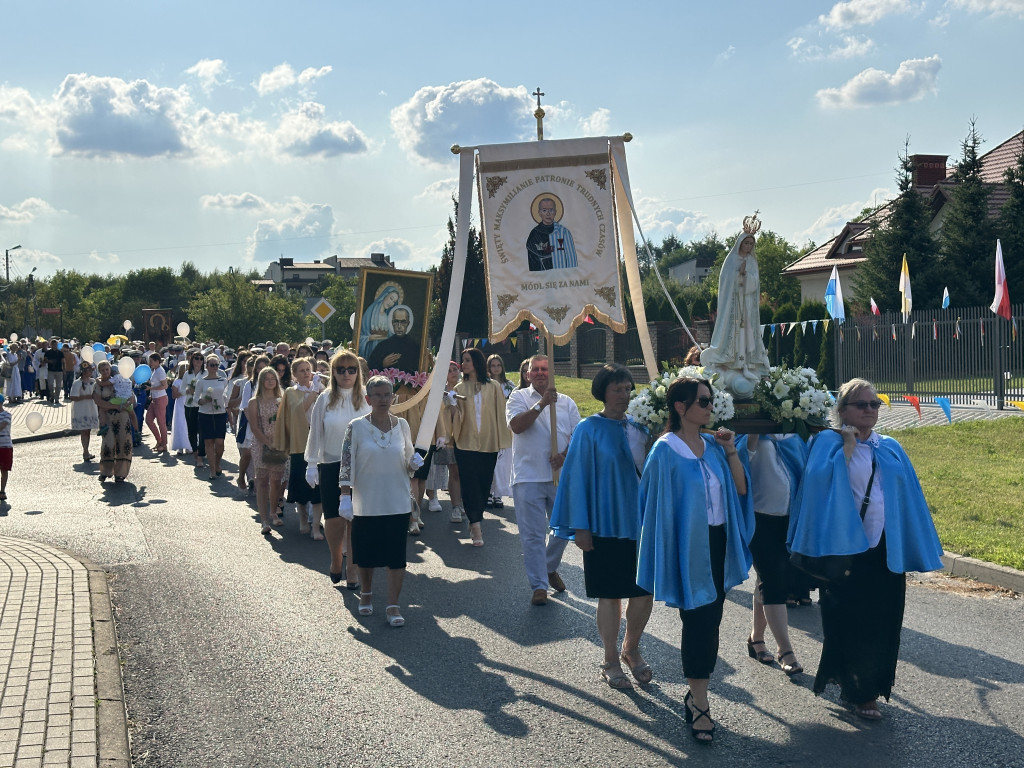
123, 393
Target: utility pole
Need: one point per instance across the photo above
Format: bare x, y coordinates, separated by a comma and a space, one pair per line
7, 261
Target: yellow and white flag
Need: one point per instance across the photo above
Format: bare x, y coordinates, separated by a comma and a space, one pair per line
549, 232
906, 298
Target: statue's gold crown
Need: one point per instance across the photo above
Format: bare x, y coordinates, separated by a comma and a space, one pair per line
752, 224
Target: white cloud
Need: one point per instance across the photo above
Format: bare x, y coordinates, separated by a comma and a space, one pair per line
659, 221
104, 258
725, 55
911, 81
26, 211
596, 123
991, 7
861, 12
305, 132
443, 189
106, 116
246, 201
209, 73
834, 218
467, 112
403, 254
851, 47
303, 232
283, 76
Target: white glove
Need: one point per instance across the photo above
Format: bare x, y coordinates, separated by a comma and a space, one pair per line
345, 507
312, 476
441, 442
415, 462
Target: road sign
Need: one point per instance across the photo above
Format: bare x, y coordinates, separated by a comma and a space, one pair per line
323, 310
50, 310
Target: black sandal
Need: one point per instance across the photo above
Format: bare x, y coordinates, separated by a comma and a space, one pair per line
689, 717
765, 657
790, 669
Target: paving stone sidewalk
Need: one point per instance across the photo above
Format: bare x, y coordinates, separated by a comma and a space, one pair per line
62, 702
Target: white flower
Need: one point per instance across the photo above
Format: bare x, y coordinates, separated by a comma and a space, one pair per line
780, 390
787, 409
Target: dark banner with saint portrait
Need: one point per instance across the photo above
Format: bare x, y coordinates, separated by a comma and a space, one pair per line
156, 326
549, 235
391, 323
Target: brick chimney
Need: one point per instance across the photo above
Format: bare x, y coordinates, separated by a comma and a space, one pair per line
929, 170
378, 258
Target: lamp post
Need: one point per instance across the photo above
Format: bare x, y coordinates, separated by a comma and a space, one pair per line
7, 260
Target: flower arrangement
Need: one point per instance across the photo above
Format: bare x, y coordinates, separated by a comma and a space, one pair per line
795, 398
650, 407
401, 378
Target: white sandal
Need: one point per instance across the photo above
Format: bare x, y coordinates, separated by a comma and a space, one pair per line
394, 619
365, 610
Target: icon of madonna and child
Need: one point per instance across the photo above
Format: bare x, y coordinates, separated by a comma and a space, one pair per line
385, 338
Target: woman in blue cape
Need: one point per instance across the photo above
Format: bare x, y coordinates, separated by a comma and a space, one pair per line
697, 520
860, 496
776, 463
598, 506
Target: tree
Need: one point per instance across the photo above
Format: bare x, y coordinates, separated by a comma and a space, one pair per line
341, 293
473, 314
967, 241
901, 228
807, 346
1011, 226
782, 349
239, 313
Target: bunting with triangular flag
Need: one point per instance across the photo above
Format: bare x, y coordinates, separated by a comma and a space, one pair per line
943, 403
825, 324
915, 401
935, 329
814, 326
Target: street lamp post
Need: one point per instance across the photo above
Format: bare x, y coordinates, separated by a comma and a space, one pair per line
7, 260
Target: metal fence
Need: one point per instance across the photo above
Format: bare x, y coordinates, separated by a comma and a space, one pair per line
966, 354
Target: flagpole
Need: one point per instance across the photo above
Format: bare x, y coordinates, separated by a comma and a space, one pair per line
554, 405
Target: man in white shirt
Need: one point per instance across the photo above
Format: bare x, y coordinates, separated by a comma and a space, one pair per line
533, 490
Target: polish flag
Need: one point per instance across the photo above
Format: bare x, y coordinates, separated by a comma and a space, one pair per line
874, 309
1001, 303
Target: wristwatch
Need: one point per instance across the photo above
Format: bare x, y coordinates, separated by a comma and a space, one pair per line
537, 407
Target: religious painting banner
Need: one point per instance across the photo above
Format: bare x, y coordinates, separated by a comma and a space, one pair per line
391, 323
550, 236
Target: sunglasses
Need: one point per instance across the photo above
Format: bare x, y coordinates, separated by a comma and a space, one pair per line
703, 402
874, 405
351, 370
211, 363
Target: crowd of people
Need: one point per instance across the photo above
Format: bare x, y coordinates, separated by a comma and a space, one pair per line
678, 518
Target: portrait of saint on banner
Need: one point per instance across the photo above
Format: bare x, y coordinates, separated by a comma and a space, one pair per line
391, 320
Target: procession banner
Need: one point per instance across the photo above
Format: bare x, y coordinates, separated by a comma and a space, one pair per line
549, 227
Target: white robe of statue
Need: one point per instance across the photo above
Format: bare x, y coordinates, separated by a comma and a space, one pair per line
737, 353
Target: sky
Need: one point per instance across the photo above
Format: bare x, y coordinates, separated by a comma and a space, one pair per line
228, 134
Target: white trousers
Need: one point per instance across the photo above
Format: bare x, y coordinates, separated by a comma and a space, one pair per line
542, 553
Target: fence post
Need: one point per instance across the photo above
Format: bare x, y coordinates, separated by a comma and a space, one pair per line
908, 354
837, 355
997, 360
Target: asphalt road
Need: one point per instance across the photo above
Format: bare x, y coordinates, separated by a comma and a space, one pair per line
239, 652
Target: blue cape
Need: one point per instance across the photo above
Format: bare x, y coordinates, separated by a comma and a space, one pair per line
598, 489
674, 559
825, 520
793, 453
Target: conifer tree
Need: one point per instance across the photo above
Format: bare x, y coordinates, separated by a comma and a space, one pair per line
1011, 226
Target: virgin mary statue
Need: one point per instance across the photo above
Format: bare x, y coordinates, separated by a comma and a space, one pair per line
737, 353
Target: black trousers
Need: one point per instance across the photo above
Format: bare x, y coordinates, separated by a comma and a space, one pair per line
861, 619
699, 645
476, 470
192, 421
771, 558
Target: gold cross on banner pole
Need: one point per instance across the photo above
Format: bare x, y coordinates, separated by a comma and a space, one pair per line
539, 114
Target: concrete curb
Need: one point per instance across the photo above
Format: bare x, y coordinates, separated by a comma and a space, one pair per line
43, 436
987, 573
111, 712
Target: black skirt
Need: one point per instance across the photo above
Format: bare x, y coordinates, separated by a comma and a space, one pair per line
330, 492
861, 619
299, 491
379, 541
609, 570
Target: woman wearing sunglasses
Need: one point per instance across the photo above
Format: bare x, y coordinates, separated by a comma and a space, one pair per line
697, 520
193, 372
342, 401
860, 496
213, 412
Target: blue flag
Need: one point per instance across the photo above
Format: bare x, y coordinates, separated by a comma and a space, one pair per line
943, 403
945, 298
834, 297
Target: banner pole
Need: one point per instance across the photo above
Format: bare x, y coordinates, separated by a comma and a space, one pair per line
554, 407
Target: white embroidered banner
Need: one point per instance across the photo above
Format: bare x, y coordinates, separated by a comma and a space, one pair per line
549, 232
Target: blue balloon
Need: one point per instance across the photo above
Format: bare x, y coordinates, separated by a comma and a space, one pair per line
109, 356
60, 345
142, 374
97, 347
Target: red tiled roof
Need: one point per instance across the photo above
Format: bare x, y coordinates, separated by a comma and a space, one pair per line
995, 162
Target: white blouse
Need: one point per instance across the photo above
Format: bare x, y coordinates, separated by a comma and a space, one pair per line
859, 470
375, 465
712, 485
327, 426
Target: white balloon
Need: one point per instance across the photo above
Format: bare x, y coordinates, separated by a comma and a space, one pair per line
14, 337
34, 421
127, 324
87, 354
352, 320
309, 339
183, 328
126, 366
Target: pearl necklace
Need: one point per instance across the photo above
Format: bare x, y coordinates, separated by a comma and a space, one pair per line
381, 443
